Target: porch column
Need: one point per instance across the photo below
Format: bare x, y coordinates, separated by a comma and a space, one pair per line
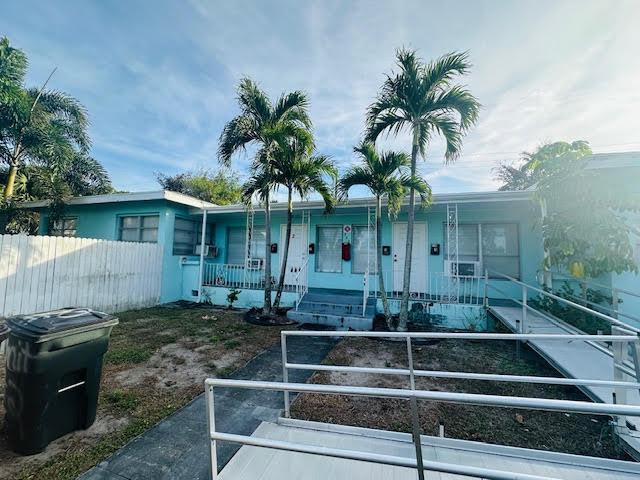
201, 268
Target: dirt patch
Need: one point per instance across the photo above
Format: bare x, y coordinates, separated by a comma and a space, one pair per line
156, 363
570, 433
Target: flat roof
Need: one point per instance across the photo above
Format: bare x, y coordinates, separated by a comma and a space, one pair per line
167, 195
442, 198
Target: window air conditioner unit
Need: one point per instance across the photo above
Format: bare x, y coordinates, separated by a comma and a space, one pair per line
463, 269
209, 250
255, 263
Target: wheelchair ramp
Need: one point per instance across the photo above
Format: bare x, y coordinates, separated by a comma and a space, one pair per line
266, 464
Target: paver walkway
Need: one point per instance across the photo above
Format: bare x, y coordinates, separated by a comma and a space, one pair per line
177, 447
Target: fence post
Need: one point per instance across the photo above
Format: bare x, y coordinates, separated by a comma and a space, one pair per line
486, 288
285, 373
620, 394
415, 423
211, 422
525, 296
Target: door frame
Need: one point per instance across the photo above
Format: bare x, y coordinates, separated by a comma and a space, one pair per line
426, 246
283, 232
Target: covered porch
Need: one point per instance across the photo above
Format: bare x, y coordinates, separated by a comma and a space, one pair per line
456, 240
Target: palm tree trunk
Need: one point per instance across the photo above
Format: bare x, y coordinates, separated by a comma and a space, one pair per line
266, 310
404, 303
383, 291
11, 180
285, 251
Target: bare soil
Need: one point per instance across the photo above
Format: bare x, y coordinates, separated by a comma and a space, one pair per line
156, 363
570, 433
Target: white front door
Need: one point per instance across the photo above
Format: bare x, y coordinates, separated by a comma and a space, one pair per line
418, 257
297, 251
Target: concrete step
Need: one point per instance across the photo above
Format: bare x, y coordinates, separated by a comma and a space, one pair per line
336, 309
342, 322
334, 298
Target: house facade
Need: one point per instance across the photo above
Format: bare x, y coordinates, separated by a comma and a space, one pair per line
461, 242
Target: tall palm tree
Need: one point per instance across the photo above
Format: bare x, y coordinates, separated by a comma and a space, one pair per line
296, 169
387, 176
422, 99
264, 126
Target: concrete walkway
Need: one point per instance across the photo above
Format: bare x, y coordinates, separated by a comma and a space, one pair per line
177, 447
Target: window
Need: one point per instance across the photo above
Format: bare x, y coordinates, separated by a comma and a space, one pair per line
139, 228
500, 250
329, 256
237, 241
187, 234
64, 227
494, 245
364, 241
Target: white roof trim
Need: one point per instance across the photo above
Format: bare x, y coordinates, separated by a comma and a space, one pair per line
167, 195
470, 197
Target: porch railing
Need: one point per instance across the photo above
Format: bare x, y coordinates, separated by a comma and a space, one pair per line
301, 282
233, 276
436, 287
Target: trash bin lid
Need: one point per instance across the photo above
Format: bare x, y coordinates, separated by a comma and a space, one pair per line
42, 326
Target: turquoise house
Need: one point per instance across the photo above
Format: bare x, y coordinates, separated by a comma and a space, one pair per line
461, 242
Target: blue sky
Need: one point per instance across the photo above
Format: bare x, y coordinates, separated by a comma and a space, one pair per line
158, 78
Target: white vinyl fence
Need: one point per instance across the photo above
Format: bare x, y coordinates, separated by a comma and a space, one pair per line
39, 273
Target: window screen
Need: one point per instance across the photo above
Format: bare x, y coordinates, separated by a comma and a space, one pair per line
329, 256
237, 241
64, 227
139, 228
187, 234
500, 251
363, 242
468, 243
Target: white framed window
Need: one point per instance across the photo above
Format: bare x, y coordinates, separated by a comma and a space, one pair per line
237, 241
363, 247
187, 234
64, 227
329, 251
491, 246
138, 228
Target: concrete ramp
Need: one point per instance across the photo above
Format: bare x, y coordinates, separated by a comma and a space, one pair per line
253, 463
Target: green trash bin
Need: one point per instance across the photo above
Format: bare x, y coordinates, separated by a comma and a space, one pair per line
53, 365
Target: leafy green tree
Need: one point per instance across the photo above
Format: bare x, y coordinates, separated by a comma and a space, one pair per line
266, 127
387, 175
296, 169
533, 166
423, 100
221, 188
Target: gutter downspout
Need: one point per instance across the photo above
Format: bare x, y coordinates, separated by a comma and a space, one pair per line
201, 268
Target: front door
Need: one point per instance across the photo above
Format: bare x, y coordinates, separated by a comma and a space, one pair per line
297, 251
418, 257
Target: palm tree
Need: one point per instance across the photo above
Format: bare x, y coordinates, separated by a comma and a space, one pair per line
36, 125
266, 127
302, 173
387, 175
423, 100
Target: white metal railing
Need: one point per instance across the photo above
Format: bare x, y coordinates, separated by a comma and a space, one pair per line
619, 409
436, 287
301, 283
525, 289
616, 294
233, 276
